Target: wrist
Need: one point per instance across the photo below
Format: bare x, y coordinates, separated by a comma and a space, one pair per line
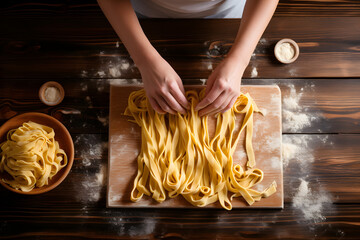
144, 56
237, 60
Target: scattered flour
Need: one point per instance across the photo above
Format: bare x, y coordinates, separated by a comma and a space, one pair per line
114, 72
84, 87
124, 65
118, 82
297, 149
103, 120
70, 111
89, 102
121, 82
101, 74
311, 203
293, 71
263, 41
295, 116
296, 121
240, 154
254, 72
116, 138
92, 149
113, 68
135, 81
84, 73
291, 102
203, 81
297, 153
275, 162
143, 229
92, 186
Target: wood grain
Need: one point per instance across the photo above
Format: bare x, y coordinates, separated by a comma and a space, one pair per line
45, 48
342, 222
285, 7
333, 103
71, 42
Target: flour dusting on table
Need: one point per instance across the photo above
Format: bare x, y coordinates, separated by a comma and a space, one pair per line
90, 149
298, 156
295, 116
254, 72
311, 203
143, 227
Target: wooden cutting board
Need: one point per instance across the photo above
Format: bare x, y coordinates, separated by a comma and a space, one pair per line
125, 141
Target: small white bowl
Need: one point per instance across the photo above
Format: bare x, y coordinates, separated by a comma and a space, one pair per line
55, 85
293, 44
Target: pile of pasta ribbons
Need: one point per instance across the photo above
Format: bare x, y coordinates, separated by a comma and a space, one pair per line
31, 156
178, 157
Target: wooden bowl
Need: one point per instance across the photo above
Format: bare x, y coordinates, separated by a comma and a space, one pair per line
293, 44
55, 85
61, 135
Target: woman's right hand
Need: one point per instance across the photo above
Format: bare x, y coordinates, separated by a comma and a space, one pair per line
163, 86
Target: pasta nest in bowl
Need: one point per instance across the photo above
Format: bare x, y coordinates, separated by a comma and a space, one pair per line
36, 153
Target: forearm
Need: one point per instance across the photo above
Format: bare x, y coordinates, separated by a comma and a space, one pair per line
124, 21
256, 17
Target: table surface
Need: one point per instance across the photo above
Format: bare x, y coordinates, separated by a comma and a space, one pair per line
71, 42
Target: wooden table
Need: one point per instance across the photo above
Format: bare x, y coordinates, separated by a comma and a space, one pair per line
72, 43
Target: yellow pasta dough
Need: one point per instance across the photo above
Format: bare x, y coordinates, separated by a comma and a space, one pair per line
178, 157
31, 156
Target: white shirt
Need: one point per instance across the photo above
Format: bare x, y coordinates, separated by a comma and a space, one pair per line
189, 8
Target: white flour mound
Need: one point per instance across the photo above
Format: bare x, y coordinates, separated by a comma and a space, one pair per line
311, 203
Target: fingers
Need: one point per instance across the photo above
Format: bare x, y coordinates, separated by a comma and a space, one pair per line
164, 106
171, 100
156, 106
216, 106
230, 105
209, 98
178, 92
173, 104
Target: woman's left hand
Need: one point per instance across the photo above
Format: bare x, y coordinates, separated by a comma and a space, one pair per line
223, 87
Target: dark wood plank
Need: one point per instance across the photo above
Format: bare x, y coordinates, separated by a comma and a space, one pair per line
50, 222
68, 45
285, 7
309, 105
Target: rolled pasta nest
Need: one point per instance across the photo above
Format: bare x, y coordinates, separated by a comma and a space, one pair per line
31, 156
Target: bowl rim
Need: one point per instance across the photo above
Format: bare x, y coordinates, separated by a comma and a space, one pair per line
51, 84
5, 127
293, 43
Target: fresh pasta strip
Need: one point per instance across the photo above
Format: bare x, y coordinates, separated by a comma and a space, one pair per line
178, 157
31, 156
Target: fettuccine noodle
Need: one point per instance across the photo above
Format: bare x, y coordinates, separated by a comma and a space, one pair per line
31, 156
178, 157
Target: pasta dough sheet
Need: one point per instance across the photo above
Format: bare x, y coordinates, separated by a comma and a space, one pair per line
179, 161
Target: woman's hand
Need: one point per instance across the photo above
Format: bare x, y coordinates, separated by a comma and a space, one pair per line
223, 87
163, 86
